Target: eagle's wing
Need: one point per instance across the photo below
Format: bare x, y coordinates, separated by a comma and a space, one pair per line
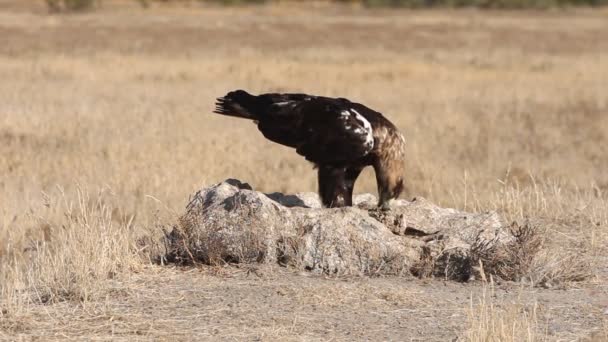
324, 130
282, 117
331, 131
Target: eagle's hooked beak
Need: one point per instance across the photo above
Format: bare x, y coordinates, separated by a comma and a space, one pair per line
385, 206
384, 202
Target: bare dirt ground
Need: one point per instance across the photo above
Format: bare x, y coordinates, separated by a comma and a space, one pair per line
105, 130
274, 304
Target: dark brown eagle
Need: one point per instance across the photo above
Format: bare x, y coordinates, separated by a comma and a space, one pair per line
339, 136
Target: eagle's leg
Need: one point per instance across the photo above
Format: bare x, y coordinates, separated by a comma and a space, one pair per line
332, 186
350, 178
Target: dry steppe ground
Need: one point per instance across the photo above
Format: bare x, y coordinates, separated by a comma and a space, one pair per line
106, 129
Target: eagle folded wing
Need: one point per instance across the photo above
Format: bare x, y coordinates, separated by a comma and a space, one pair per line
332, 132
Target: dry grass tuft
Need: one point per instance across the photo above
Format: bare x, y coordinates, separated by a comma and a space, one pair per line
513, 261
494, 320
186, 244
85, 249
69, 252
530, 258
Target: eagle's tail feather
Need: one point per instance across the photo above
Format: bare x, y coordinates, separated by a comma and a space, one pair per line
237, 103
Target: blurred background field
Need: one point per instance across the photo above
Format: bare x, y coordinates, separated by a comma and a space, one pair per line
106, 124
121, 97
78, 5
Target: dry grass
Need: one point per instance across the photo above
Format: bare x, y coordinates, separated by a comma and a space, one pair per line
105, 124
494, 320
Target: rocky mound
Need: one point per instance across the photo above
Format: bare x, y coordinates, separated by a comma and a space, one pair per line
230, 222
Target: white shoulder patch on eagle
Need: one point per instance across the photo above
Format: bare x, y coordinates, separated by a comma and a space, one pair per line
362, 126
367, 129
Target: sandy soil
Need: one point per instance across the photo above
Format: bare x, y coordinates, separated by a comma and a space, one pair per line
264, 304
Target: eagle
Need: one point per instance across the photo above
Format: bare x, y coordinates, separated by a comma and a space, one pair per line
339, 136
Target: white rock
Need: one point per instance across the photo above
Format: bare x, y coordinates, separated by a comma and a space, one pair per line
230, 222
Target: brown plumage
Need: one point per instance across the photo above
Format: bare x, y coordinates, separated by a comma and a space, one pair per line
339, 136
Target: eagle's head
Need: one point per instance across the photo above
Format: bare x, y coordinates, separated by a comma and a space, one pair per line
390, 171
391, 187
